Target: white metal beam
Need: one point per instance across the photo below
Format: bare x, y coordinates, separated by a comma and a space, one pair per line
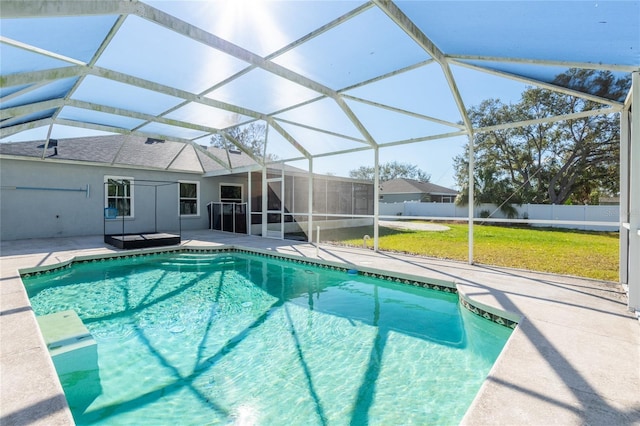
23, 91
8, 131
376, 199
310, 202
439, 136
18, 111
162, 120
572, 116
227, 172
405, 112
184, 28
634, 197
240, 146
39, 8
12, 122
403, 21
387, 75
41, 76
138, 115
128, 79
159, 17
249, 201
566, 64
208, 39
46, 143
625, 156
321, 30
334, 153
168, 90
175, 157
53, 74
105, 42
541, 84
471, 197
278, 128
355, 120
37, 50
319, 130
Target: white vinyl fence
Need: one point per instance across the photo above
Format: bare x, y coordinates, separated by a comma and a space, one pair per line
535, 214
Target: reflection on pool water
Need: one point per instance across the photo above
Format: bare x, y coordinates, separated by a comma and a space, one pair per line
219, 338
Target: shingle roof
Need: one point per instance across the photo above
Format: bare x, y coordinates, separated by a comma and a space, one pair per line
130, 151
411, 186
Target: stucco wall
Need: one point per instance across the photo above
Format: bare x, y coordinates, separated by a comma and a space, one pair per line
400, 198
40, 213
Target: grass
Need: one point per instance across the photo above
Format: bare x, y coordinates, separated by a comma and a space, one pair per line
567, 252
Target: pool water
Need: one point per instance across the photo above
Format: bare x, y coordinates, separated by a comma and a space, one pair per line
234, 338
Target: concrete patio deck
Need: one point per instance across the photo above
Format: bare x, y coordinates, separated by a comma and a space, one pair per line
573, 360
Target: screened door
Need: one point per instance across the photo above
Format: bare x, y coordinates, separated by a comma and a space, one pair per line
275, 216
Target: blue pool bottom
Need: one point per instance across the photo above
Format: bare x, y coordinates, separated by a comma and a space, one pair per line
187, 338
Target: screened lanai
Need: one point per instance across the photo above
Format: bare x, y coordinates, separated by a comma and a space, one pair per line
334, 83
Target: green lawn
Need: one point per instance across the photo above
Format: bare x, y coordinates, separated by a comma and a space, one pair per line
580, 253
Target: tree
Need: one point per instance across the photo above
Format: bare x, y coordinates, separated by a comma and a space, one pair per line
488, 188
252, 137
550, 162
390, 170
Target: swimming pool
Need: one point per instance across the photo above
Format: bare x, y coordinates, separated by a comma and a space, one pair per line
229, 337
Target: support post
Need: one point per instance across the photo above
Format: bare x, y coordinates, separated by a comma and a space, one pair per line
471, 195
249, 204
265, 189
376, 196
624, 193
310, 203
634, 197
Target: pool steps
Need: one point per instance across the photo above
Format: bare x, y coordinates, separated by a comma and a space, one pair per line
70, 344
73, 351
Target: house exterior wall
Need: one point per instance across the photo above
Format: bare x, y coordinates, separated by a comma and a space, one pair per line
400, 198
48, 199
44, 213
417, 196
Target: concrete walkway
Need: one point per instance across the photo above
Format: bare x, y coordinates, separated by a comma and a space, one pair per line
573, 360
414, 226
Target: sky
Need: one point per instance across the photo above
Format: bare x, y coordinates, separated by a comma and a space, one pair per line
369, 46
434, 157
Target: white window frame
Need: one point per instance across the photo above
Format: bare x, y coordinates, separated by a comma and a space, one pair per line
228, 200
197, 199
131, 180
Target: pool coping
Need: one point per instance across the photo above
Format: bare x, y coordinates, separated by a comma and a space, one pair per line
498, 316
571, 360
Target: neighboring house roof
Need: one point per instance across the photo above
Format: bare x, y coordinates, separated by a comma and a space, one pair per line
131, 151
411, 186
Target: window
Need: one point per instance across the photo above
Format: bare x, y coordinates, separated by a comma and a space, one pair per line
119, 195
230, 193
189, 194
